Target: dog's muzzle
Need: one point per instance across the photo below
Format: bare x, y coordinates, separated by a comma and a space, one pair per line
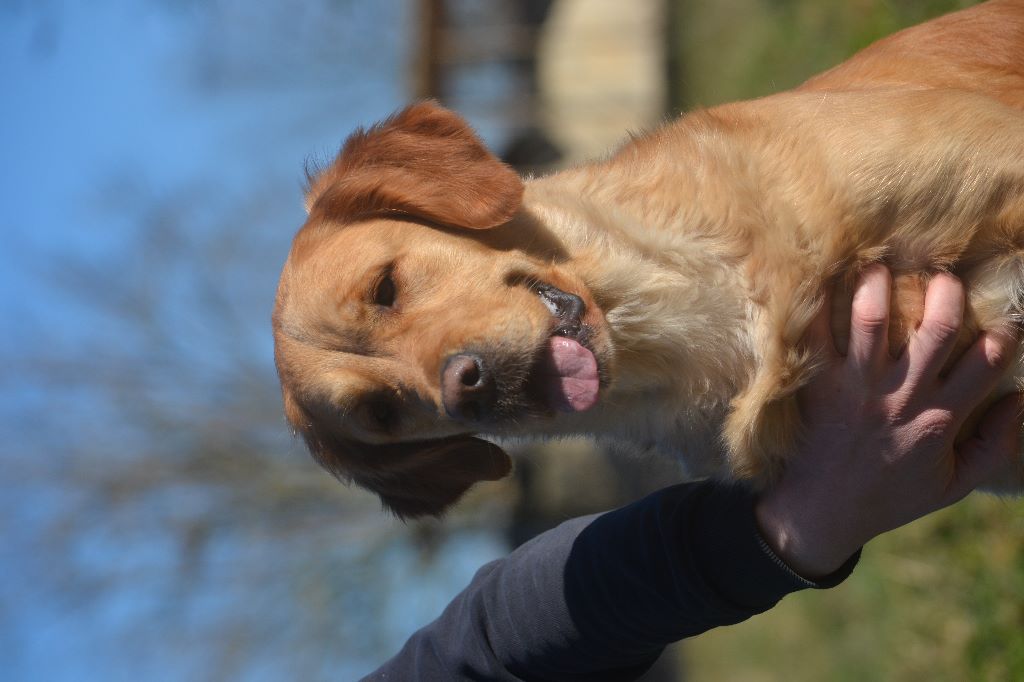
474, 387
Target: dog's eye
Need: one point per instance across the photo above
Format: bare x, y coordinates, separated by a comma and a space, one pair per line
384, 293
380, 414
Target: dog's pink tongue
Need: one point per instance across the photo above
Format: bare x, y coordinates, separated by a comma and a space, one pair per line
570, 375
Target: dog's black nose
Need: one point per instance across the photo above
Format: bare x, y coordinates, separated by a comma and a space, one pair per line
467, 388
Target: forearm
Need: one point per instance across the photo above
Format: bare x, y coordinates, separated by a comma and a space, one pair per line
598, 598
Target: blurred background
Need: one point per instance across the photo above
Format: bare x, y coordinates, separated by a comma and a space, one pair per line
157, 519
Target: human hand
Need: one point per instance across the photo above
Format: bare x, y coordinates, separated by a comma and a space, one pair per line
878, 447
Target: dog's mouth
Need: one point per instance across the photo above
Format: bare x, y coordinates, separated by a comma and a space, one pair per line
566, 376
561, 371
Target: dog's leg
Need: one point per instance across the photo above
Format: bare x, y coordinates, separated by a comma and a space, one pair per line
763, 424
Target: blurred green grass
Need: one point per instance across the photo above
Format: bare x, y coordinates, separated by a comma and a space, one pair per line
942, 599
738, 49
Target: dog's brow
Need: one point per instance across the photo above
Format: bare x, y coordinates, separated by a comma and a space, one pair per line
352, 340
356, 338
330, 338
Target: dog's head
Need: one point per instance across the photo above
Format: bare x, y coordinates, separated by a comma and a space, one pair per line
420, 305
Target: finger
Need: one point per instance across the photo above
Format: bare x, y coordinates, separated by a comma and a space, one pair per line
869, 318
934, 340
993, 447
978, 372
818, 336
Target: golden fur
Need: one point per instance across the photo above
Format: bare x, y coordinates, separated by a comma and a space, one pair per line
700, 252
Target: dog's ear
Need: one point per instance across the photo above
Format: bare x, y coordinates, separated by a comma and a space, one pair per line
426, 478
412, 479
424, 161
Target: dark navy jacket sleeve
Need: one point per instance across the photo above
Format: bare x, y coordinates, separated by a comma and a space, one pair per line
599, 597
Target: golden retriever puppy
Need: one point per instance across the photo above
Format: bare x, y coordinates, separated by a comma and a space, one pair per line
657, 296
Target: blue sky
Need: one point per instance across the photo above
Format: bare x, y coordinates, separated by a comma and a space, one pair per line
115, 111
111, 113
92, 95
103, 90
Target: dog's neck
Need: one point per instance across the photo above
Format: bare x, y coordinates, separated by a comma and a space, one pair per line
675, 302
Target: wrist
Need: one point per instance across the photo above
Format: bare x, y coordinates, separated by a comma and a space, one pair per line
809, 542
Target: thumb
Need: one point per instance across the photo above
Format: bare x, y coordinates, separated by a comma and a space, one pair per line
992, 446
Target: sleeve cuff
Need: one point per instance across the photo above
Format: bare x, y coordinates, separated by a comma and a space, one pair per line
736, 560
824, 583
